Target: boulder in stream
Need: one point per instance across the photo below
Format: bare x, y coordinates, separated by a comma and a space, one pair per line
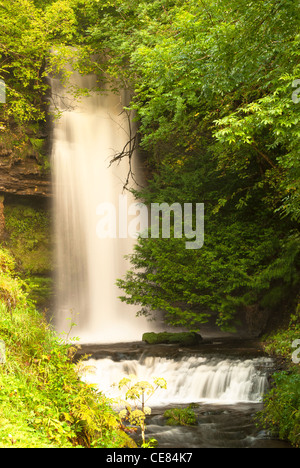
183, 339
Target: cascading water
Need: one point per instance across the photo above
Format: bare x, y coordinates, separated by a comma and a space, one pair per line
224, 394
189, 379
85, 138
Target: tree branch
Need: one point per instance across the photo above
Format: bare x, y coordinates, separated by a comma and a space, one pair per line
264, 156
127, 152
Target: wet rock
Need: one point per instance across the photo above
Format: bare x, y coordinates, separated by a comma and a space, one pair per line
184, 339
23, 176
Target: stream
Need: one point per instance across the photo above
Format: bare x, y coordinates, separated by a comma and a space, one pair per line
223, 380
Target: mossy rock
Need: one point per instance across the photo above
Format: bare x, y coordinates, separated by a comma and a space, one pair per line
184, 338
181, 417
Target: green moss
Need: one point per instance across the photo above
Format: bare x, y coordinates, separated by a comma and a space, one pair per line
184, 338
181, 417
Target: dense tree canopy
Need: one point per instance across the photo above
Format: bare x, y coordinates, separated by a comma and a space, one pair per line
213, 86
215, 93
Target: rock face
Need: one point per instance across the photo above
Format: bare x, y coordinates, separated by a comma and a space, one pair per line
23, 176
25, 212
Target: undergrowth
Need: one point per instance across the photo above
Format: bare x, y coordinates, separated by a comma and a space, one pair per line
43, 401
281, 413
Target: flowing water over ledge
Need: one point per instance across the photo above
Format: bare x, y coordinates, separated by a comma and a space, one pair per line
225, 383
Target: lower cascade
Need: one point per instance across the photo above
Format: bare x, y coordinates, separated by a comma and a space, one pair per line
224, 393
189, 379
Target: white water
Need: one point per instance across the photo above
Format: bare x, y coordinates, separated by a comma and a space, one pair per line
191, 379
88, 134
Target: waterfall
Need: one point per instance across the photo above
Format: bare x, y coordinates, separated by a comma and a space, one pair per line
88, 134
189, 379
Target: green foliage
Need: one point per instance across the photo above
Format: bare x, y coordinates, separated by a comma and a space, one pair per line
181, 417
281, 414
40, 290
43, 402
240, 265
30, 31
212, 85
212, 94
12, 289
227, 67
29, 240
280, 343
40, 381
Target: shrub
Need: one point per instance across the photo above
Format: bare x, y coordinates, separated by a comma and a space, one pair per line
281, 414
139, 393
43, 401
12, 289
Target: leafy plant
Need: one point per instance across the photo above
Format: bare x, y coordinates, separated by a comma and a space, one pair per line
139, 393
29, 238
281, 414
43, 401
